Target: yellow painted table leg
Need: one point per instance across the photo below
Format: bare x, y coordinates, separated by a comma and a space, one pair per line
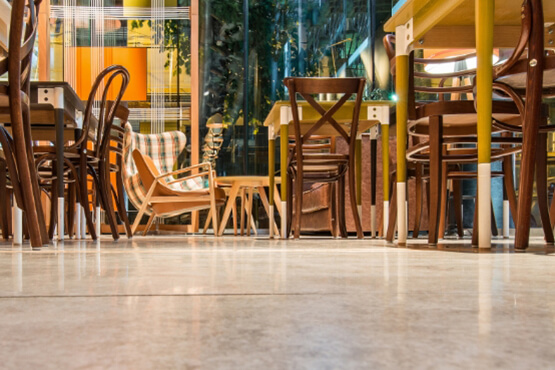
402, 85
484, 49
271, 179
385, 176
284, 151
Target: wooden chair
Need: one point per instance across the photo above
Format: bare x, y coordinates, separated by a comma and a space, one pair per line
526, 78
326, 167
18, 151
165, 200
89, 153
446, 132
112, 180
319, 200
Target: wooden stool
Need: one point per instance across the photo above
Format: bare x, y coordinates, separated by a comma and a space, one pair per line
245, 187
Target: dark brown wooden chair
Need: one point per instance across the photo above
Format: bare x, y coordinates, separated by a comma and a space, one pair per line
526, 78
319, 199
111, 178
304, 167
88, 155
18, 151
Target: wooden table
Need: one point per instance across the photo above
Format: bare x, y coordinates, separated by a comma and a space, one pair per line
248, 184
279, 121
56, 113
455, 24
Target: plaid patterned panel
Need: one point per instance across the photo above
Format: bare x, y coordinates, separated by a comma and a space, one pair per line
164, 149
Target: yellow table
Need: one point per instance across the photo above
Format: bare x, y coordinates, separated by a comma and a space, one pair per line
455, 24
280, 118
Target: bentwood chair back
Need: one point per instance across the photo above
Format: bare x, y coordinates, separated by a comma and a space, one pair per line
325, 167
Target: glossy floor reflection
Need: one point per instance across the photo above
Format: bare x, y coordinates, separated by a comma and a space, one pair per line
204, 302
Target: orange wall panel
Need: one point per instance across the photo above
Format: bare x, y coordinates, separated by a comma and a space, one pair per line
134, 59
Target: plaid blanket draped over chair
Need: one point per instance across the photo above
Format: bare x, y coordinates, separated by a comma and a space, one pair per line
163, 148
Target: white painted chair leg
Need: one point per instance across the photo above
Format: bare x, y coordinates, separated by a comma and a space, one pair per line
484, 205
98, 221
17, 222
60, 225
506, 215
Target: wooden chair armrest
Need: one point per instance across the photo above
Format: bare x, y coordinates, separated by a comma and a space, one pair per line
186, 169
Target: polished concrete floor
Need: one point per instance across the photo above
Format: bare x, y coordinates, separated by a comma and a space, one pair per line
253, 303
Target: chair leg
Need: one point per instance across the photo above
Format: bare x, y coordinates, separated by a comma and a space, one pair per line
541, 186
149, 223
333, 209
436, 154
30, 185
3, 200
207, 223
418, 201
475, 221
8, 210
120, 202
444, 201
102, 188
457, 206
289, 226
341, 207
392, 224
266, 204
71, 209
353, 195
494, 231
53, 209
298, 201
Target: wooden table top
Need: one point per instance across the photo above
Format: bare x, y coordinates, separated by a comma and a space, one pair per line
343, 116
450, 23
43, 113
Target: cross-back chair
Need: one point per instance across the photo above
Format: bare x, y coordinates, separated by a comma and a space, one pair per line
324, 167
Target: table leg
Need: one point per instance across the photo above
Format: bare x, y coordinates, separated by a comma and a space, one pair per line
385, 176
358, 169
229, 205
271, 177
59, 114
373, 175
248, 209
402, 68
243, 210
484, 51
284, 151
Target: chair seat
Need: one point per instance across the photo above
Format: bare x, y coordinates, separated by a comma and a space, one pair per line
460, 118
516, 76
168, 201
